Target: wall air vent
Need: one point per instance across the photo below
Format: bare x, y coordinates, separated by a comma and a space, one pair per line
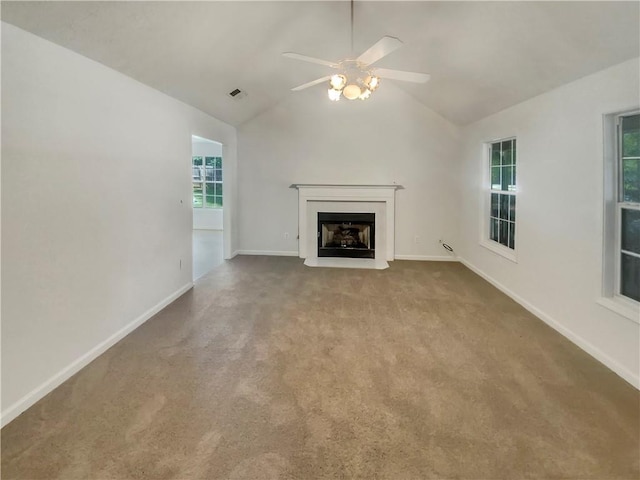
237, 94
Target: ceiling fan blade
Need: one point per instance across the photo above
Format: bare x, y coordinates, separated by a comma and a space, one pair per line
381, 48
400, 75
311, 84
304, 58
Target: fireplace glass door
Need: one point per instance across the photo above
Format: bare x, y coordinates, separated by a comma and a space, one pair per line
346, 234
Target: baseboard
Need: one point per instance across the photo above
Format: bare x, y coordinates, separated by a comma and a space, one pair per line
427, 258
233, 254
592, 350
56, 380
273, 253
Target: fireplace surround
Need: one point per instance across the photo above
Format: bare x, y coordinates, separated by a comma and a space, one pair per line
376, 199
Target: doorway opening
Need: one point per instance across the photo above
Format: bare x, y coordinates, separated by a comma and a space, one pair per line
208, 205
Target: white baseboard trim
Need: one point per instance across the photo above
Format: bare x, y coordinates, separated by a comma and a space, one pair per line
273, 253
427, 258
234, 254
56, 380
592, 350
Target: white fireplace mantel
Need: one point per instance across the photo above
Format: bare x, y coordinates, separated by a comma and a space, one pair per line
346, 198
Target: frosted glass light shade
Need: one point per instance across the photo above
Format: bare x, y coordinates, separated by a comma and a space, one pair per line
351, 91
338, 81
372, 82
334, 95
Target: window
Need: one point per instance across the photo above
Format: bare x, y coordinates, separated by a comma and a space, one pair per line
207, 182
502, 201
628, 206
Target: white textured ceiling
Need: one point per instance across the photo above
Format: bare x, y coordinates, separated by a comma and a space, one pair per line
482, 56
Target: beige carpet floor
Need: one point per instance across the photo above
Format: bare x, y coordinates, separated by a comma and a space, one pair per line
268, 369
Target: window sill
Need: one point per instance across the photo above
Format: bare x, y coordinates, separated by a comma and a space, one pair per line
500, 250
625, 308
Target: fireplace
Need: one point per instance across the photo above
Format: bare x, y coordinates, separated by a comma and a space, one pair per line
353, 199
346, 234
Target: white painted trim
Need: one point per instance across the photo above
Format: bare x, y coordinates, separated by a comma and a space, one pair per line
74, 367
205, 229
427, 258
234, 254
347, 193
500, 249
595, 352
622, 307
273, 253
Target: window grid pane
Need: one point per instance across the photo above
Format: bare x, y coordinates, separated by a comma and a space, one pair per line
512, 235
207, 181
512, 208
630, 158
628, 229
631, 136
502, 227
213, 194
495, 154
495, 229
503, 205
506, 153
495, 178
631, 180
630, 276
506, 178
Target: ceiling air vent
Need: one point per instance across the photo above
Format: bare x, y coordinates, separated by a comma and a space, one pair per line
237, 94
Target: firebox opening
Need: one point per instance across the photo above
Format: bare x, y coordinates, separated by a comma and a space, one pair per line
346, 234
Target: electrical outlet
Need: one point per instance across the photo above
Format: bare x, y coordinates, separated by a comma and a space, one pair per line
286, 235
416, 239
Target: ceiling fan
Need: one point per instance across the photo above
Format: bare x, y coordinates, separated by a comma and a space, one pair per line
357, 77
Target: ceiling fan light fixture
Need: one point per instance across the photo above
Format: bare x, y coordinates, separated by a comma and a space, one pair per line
334, 95
355, 77
372, 82
352, 91
338, 81
366, 93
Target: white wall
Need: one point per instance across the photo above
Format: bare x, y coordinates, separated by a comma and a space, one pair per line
207, 218
559, 213
96, 196
308, 139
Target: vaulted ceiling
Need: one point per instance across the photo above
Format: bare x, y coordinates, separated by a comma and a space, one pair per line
482, 56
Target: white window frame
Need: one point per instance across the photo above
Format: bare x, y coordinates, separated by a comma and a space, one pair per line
203, 175
485, 214
611, 297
